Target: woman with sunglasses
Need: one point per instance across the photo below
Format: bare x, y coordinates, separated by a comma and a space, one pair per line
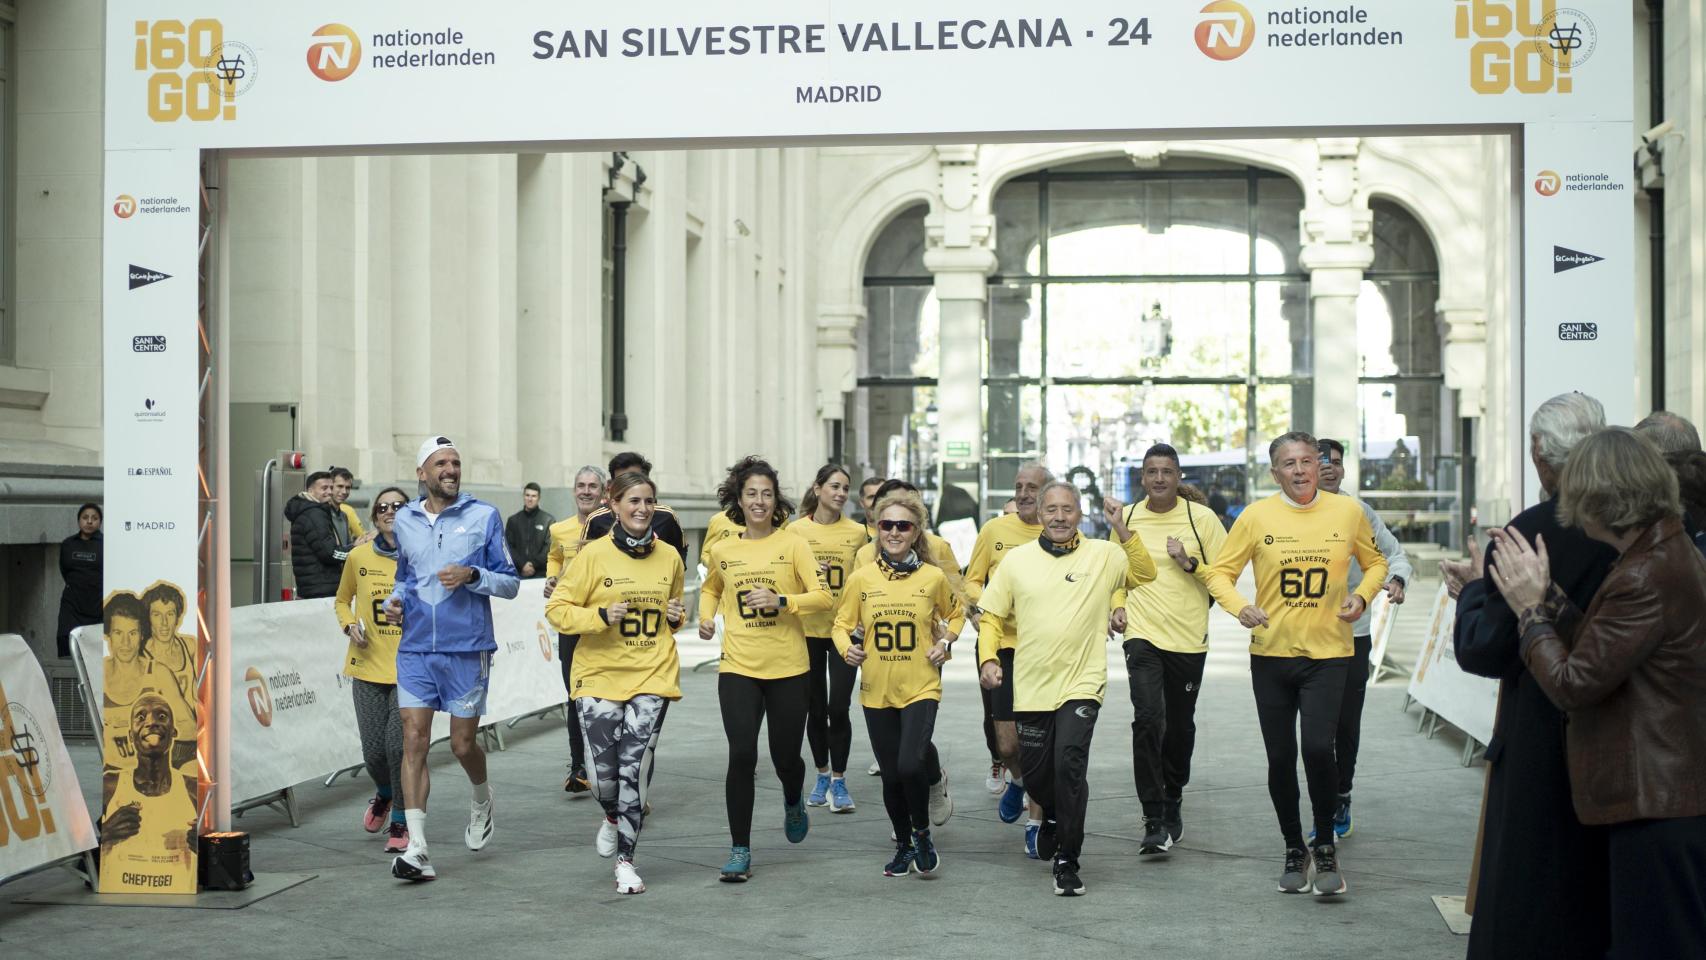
762, 584
891, 624
370, 573
622, 598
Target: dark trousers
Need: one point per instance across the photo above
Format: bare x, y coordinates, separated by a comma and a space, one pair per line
1349, 735
566, 644
829, 724
1289, 688
1054, 755
900, 737
746, 703
1164, 689
989, 725
1658, 888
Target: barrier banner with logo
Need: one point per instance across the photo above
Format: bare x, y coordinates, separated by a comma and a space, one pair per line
1465, 701
42, 815
293, 718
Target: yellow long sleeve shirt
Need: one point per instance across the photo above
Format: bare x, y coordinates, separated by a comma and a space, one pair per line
565, 543
1060, 607
1303, 561
765, 643
997, 538
1172, 611
368, 579
834, 544
635, 654
354, 517
721, 528
898, 616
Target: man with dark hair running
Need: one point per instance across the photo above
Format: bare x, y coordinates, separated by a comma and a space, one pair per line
665, 525
1302, 544
451, 560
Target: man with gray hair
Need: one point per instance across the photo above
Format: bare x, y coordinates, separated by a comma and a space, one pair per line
1542, 888
1669, 432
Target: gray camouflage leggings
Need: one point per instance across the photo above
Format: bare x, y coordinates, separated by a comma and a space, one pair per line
381, 729
620, 738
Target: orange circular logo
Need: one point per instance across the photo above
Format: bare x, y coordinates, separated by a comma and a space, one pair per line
336, 54
260, 699
1547, 183
1226, 30
124, 207
544, 640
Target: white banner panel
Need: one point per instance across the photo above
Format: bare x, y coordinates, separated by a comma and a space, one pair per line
317, 72
42, 814
1461, 699
292, 717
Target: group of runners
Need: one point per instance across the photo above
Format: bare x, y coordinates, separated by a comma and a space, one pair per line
813, 604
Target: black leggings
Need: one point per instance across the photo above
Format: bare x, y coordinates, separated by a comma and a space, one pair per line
1350, 713
1286, 688
577, 739
900, 737
1164, 688
746, 702
829, 728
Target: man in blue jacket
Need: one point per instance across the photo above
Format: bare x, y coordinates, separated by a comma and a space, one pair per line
451, 559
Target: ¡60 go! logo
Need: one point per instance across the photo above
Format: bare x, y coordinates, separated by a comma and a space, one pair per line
192, 72
1532, 45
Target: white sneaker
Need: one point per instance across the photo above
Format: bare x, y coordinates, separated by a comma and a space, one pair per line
874, 769
607, 839
413, 865
941, 805
480, 827
627, 879
997, 779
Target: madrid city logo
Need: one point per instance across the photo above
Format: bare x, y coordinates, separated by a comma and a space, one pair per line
143, 276
335, 53
1225, 30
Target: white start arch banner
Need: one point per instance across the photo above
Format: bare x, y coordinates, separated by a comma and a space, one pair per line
406, 76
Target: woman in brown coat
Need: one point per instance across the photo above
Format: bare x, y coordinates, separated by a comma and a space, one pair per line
1631, 674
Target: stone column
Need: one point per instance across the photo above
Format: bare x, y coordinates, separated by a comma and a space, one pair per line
1337, 247
960, 254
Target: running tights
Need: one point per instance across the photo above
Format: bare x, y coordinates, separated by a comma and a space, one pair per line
746, 703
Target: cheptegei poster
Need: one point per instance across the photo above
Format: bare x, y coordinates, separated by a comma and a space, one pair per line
148, 797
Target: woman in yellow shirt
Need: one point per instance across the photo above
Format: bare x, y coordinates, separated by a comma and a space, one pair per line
762, 584
885, 609
623, 598
835, 539
370, 572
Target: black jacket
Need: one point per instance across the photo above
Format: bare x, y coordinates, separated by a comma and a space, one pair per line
528, 534
1542, 891
315, 553
80, 566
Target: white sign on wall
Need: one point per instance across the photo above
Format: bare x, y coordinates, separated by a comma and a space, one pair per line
43, 818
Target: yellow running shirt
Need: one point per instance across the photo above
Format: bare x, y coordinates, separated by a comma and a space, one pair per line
997, 537
835, 544
763, 643
368, 579
940, 552
565, 543
1172, 612
898, 616
1060, 607
636, 654
1303, 561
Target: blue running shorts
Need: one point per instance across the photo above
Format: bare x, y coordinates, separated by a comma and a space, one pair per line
453, 683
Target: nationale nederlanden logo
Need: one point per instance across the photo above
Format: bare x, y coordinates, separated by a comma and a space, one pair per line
1547, 183
260, 700
335, 54
1225, 30
124, 207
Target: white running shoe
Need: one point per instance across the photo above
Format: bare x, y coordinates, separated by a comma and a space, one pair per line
997, 779
607, 838
627, 879
874, 769
414, 866
941, 805
480, 827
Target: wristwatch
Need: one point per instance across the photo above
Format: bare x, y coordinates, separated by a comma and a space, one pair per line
473, 574
1401, 582
1195, 563
781, 601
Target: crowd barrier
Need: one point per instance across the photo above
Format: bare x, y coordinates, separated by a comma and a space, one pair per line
43, 819
1447, 692
292, 717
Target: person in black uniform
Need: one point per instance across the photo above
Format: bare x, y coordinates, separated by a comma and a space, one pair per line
665, 526
80, 566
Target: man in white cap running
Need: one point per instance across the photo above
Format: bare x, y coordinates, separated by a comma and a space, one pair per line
451, 559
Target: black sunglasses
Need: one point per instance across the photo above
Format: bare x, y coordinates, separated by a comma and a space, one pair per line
904, 526
391, 507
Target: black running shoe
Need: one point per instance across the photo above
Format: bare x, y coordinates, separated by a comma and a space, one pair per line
1172, 820
902, 864
576, 782
925, 859
1295, 878
1156, 840
1066, 882
1329, 882
1047, 842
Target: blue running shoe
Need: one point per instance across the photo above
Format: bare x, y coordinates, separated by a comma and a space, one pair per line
1031, 831
1342, 817
901, 865
794, 822
925, 859
820, 793
1012, 804
739, 867
840, 801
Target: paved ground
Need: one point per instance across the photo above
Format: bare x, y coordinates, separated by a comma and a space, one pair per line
540, 890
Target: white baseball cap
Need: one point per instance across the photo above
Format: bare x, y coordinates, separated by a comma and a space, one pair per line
430, 446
